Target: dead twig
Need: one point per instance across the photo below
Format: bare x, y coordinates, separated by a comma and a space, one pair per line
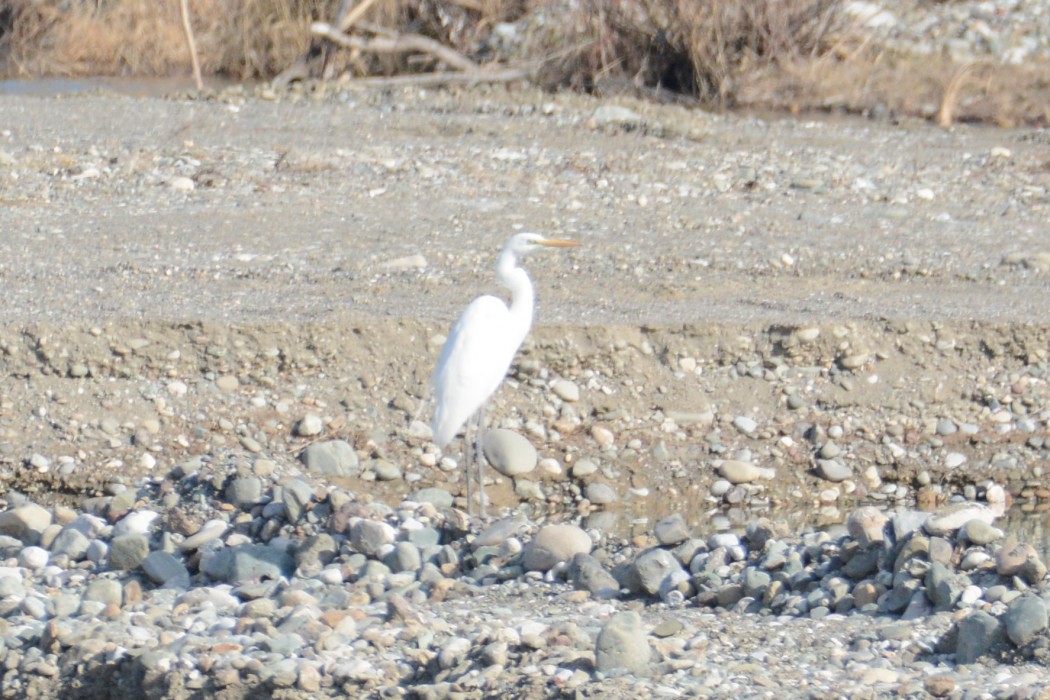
350, 18
187, 28
399, 43
946, 114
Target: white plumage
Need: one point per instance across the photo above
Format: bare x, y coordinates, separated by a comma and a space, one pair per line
483, 342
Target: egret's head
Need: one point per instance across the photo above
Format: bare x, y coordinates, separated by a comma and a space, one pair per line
525, 243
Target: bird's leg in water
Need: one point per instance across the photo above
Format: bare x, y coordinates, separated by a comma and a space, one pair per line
479, 457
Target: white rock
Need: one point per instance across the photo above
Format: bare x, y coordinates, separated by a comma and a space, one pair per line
738, 472
566, 390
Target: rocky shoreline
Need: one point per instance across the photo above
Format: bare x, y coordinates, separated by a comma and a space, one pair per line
300, 591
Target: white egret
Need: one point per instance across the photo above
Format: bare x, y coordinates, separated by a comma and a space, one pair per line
482, 345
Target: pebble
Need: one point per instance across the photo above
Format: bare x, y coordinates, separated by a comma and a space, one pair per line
745, 424
331, 458
622, 644
25, 522
554, 544
509, 453
671, 530
566, 390
866, 525
600, 493
833, 470
740, 472
127, 551
1025, 618
651, 568
208, 532
309, 425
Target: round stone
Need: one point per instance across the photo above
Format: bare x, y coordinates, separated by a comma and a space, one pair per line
554, 544
509, 453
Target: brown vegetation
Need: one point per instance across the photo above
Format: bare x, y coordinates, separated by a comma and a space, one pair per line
801, 55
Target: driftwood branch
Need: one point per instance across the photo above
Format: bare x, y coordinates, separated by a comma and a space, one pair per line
399, 43
441, 78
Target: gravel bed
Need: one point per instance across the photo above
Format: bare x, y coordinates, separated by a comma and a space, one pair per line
782, 427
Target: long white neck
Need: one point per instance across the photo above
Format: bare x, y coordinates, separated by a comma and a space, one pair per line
514, 278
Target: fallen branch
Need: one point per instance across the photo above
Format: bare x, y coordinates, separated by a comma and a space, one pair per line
475, 77
399, 43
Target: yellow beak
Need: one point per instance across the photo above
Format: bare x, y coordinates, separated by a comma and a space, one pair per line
555, 243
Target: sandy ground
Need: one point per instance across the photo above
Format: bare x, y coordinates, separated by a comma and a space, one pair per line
316, 247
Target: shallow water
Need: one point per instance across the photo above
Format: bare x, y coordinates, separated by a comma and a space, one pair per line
131, 87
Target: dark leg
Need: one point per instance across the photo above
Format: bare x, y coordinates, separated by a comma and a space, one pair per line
479, 455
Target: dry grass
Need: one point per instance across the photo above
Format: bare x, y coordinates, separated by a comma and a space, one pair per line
695, 47
794, 54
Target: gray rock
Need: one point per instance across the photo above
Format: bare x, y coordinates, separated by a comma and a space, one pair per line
166, 569
650, 568
1025, 618
671, 530
829, 450
296, 495
584, 468
209, 531
26, 522
833, 470
126, 552
566, 390
248, 562
315, 552
978, 633
439, 498
949, 519
905, 522
331, 458
862, 563
978, 531
104, 590
622, 644
385, 470
759, 531
424, 537
946, 426
33, 558
309, 425
587, 573
244, 491
11, 586
404, 557
368, 536
745, 424
756, 581
736, 471
554, 544
498, 532
600, 494
866, 525
942, 587
509, 453
71, 542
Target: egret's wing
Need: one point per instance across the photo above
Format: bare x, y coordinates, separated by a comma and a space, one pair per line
474, 361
